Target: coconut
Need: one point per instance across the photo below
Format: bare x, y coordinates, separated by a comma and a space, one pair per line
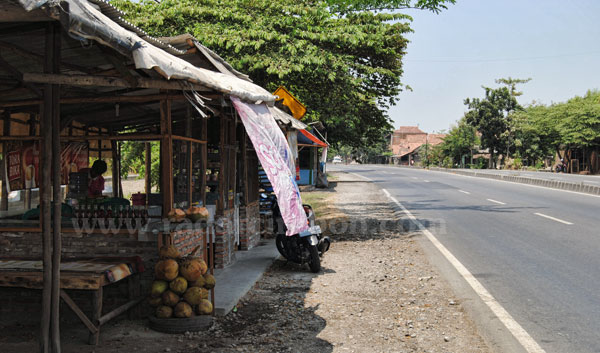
178, 285
170, 298
200, 282
164, 312
204, 308
158, 287
166, 269
183, 309
168, 252
193, 295
176, 215
197, 213
193, 269
209, 281
155, 301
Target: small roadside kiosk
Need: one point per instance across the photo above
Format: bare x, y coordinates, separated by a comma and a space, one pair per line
76, 80
304, 145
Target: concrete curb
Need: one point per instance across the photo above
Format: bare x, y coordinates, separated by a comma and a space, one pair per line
553, 184
235, 281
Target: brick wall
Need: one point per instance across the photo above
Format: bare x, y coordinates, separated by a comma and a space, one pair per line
224, 240
249, 226
186, 240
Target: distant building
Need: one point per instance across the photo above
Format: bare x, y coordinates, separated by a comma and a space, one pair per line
405, 143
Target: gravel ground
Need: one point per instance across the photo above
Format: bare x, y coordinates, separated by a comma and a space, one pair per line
377, 292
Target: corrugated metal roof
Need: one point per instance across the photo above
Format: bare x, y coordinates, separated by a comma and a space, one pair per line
97, 20
286, 119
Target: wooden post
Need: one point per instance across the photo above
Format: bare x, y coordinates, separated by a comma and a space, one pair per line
28, 192
116, 165
222, 188
96, 314
244, 171
46, 195
166, 156
148, 177
189, 155
6, 132
57, 192
203, 160
119, 144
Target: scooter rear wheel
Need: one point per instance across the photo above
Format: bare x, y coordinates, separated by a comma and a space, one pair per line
315, 260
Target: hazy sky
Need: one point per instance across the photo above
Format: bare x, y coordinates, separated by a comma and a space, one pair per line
556, 43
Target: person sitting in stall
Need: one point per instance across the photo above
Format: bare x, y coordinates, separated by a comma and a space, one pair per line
96, 180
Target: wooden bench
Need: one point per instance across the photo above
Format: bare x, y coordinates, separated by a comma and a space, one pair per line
81, 274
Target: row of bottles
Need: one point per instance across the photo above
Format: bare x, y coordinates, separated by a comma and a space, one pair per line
111, 216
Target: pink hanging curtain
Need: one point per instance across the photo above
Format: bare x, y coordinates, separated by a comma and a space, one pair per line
277, 161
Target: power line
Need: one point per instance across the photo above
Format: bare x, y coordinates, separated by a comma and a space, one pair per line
473, 60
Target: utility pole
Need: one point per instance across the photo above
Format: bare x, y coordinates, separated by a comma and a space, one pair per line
427, 149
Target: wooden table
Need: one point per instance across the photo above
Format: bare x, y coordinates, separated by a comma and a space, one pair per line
80, 274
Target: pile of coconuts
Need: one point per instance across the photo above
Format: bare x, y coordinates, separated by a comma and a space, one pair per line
181, 285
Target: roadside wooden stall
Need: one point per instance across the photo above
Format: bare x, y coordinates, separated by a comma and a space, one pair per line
76, 82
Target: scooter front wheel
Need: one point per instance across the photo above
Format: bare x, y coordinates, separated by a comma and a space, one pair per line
279, 241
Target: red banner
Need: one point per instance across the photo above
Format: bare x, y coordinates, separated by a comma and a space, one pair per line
23, 163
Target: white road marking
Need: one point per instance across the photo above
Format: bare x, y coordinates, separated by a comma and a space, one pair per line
552, 218
464, 192
426, 181
415, 178
498, 202
513, 326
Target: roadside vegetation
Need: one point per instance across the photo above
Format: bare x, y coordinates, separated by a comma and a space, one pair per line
516, 136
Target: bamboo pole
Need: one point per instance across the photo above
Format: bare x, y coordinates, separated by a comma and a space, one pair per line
148, 177
57, 194
203, 161
116, 168
6, 133
189, 155
45, 197
107, 81
166, 148
94, 99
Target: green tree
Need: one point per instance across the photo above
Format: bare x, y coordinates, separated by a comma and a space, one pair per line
536, 133
512, 83
491, 116
580, 120
345, 6
459, 142
431, 155
133, 160
541, 131
345, 69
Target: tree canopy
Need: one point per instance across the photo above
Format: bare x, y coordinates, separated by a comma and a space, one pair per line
346, 6
460, 141
346, 69
531, 134
491, 116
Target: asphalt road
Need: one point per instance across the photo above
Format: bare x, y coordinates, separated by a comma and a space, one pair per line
536, 250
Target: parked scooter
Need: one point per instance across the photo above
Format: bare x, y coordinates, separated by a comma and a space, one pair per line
561, 167
306, 247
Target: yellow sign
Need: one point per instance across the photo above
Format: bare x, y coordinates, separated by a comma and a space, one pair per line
298, 110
